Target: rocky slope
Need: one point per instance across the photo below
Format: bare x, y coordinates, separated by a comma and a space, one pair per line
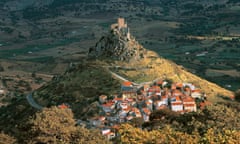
118, 44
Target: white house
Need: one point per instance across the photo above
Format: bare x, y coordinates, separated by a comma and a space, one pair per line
2, 91
108, 107
189, 104
196, 94
177, 106
146, 114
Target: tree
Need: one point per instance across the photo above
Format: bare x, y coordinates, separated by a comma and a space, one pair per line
54, 125
132, 135
4, 138
137, 122
227, 136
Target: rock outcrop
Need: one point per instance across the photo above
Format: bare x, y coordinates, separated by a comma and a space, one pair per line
118, 44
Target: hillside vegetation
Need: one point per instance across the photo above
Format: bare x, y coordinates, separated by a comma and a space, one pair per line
153, 67
80, 87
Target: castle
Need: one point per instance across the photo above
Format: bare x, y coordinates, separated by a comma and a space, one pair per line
118, 44
122, 27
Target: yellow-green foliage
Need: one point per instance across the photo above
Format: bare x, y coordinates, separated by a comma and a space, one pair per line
130, 134
6, 139
153, 67
226, 137
218, 124
54, 125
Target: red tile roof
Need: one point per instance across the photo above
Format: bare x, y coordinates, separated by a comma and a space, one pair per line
204, 104
188, 99
173, 86
164, 97
196, 90
189, 105
162, 107
146, 111
129, 99
176, 103
118, 99
103, 96
159, 82
102, 118
127, 83
116, 127
109, 104
178, 98
62, 106
127, 109
148, 102
187, 89
180, 85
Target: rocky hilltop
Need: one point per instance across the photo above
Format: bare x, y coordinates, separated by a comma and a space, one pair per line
118, 44
138, 64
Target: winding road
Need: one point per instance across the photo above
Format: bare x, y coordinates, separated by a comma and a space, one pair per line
120, 77
32, 102
138, 86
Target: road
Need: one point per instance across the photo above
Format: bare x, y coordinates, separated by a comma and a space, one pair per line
32, 102
138, 86
120, 77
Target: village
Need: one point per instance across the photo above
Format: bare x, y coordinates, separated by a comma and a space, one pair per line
134, 102
138, 101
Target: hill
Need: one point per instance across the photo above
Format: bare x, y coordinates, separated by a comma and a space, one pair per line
80, 86
138, 64
202, 36
83, 83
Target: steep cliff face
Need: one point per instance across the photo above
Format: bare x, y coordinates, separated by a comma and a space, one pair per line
118, 44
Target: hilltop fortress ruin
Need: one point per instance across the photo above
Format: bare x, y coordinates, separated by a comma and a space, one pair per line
122, 27
118, 44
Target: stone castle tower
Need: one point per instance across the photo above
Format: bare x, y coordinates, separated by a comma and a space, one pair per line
118, 44
121, 23
122, 27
